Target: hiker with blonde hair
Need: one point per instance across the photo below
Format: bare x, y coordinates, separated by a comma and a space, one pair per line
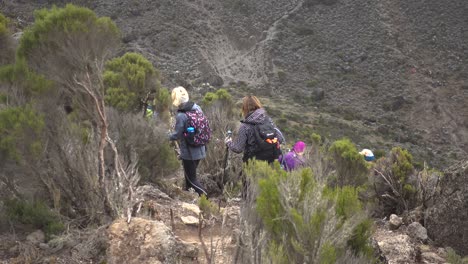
190, 152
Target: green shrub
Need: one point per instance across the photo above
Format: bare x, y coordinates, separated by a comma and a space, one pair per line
20, 132
395, 177
207, 207
312, 223
69, 20
402, 165
454, 258
220, 95
128, 80
36, 214
316, 139
312, 83
22, 77
351, 166
282, 76
3, 25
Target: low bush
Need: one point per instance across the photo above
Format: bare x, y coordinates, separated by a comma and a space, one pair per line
303, 220
36, 214
395, 182
351, 168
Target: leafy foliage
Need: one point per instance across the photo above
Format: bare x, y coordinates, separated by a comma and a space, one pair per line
3, 25
22, 77
70, 20
220, 95
207, 207
394, 177
7, 50
163, 103
20, 130
351, 166
36, 214
454, 258
312, 223
128, 79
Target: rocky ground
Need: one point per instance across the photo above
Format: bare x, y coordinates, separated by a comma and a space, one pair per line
163, 237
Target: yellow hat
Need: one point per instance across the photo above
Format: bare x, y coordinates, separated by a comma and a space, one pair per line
179, 96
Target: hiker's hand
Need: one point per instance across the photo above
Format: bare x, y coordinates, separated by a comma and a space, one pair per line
227, 140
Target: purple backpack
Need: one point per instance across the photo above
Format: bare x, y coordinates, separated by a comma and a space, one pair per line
201, 133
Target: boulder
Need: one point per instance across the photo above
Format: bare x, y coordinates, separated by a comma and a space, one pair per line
146, 242
395, 222
446, 219
397, 248
418, 232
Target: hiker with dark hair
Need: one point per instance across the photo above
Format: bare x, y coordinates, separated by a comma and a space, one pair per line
249, 137
295, 158
192, 148
258, 137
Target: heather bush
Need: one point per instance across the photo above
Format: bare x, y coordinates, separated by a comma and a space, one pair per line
454, 258
129, 80
207, 207
295, 218
351, 168
36, 214
219, 109
395, 182
156, 158
7, 50
21, 129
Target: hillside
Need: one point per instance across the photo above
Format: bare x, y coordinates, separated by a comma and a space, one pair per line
383, 73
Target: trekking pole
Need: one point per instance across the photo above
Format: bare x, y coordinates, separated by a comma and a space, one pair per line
226, 156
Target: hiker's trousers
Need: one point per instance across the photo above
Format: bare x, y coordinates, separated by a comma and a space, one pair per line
190, 171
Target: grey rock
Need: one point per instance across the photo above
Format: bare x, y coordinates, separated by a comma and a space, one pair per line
397, 249
395, 222
431, 258
417, 231
446, 219
145, 241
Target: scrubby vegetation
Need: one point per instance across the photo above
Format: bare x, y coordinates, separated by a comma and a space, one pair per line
36, 214
72, 138
350, 165
303, 218
129, 80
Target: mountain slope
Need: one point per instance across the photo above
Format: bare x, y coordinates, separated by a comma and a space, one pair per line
389, 72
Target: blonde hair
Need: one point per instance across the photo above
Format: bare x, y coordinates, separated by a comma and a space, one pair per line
250, 103
179, 96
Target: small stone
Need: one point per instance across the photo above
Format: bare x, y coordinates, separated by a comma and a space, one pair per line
36, 237
431, 257
395, 222
189, 220
191, 207
44, 246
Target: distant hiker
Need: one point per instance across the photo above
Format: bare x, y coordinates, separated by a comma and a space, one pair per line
258, 137
368, 155
150, 112
190, 152
294, 158
147, 104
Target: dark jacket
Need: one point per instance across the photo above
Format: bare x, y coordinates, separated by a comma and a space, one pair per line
245, 141
187, 152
